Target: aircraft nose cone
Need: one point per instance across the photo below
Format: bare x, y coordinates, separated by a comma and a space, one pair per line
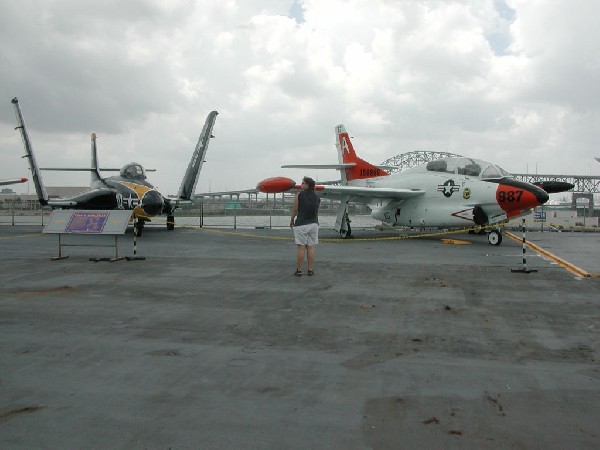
513, 195
152, 203
541, 195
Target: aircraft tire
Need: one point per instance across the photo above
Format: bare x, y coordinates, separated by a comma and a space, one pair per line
494, 237
170, 223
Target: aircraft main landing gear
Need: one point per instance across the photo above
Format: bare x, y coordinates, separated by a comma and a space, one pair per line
170, 223
347, 233
342, 221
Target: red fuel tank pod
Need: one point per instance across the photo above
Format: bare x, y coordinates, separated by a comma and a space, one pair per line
275, 185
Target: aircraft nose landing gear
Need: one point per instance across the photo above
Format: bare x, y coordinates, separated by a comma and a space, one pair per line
495, 237
138, 227
170, 222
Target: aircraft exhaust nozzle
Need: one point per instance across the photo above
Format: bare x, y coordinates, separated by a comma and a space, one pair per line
275, 185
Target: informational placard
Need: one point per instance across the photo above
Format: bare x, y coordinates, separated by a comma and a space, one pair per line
79, 221
87, 222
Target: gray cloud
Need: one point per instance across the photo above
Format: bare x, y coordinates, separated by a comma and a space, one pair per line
505, 80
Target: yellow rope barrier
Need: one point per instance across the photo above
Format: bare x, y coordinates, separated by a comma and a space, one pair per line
340, 240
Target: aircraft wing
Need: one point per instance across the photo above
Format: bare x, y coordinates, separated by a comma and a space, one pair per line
101, 198
358, 192
190, 179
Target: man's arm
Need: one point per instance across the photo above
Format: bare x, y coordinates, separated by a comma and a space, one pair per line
295, 210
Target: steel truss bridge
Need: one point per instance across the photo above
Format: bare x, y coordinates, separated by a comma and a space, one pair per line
588, 184
407, 160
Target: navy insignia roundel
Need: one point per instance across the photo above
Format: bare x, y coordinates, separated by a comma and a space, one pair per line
448, 188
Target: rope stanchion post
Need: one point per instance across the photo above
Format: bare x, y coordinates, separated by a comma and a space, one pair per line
524, 268
135, 257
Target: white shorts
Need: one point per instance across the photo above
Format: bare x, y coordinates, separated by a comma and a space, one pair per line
307, 234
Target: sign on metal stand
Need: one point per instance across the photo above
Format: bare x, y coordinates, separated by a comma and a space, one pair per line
88, 222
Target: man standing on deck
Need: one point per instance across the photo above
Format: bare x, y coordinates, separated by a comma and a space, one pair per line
306, 225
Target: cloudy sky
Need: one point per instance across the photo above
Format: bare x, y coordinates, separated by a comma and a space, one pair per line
510, 81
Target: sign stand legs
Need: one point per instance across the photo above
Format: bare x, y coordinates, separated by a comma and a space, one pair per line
60, 255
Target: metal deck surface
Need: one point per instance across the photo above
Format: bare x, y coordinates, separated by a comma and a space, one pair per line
211, 342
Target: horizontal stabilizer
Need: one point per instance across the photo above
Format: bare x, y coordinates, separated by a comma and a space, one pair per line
87, 169
319, 166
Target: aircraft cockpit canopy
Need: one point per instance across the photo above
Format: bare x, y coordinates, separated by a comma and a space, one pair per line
133, 171
471, 167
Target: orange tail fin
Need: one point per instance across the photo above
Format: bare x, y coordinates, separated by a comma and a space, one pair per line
346, 155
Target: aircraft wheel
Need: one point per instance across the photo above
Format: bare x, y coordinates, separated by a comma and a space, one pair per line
170, 223
494, 237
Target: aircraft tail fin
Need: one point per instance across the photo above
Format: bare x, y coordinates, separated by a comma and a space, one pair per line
95, 174
346, 155
35, 170
190, 179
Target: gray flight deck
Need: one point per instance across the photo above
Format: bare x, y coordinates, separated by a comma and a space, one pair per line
211, 342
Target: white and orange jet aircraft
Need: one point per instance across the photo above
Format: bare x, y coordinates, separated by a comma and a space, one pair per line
445, 193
